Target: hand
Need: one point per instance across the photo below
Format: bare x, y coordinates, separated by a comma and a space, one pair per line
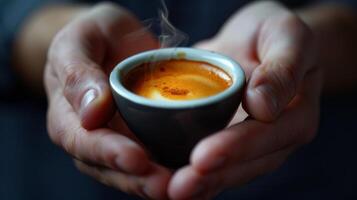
81, 108
276, 50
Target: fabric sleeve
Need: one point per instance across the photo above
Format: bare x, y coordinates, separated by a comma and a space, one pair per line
12, 14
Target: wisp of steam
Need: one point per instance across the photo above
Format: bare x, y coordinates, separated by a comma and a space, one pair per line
161, 27
166, 33
169, 36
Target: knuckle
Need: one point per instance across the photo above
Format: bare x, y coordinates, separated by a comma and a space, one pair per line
282, 76
128, 154
73, 77
73, 74
78, 77
56, 134
55, 130
95, 149
70, 143
98, 153
79, 70
61, 137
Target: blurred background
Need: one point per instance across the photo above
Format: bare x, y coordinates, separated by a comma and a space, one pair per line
31, 167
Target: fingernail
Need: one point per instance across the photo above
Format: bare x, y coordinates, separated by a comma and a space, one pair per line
88, 98
217, 163
268, 92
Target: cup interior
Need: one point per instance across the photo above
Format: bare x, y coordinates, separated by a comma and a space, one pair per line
227, 64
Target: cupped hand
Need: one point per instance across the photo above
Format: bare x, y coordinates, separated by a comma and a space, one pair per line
80, 114
276, 50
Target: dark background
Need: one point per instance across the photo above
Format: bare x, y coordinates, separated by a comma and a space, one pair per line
31, 167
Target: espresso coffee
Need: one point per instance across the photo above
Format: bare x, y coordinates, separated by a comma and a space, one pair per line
176, 80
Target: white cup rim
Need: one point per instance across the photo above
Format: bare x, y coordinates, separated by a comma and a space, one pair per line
221, 61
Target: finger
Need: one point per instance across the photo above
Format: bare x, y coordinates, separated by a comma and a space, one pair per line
123, 33
188, 182
286, 51
238, 37
100, 146
243, 56
247, 140
87, 48
76, 65
251, 138
275, 49
241, 142
152, 185
180, 188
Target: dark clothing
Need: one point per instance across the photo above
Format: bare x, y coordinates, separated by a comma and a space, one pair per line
31, 167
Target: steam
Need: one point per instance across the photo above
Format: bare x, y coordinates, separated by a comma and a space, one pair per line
169, 36
166, 33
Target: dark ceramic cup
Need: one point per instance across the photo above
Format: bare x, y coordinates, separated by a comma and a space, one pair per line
170, 129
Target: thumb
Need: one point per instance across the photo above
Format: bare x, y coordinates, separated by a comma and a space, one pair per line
286, 54
82, 80
270, 89
86, 88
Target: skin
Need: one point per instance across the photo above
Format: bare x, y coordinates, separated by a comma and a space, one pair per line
276, 50
282, 59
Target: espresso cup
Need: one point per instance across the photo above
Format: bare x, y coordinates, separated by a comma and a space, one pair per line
170, 129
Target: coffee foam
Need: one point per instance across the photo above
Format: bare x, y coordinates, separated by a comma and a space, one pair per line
177, 80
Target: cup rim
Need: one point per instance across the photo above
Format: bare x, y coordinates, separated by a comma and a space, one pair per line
237, 74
